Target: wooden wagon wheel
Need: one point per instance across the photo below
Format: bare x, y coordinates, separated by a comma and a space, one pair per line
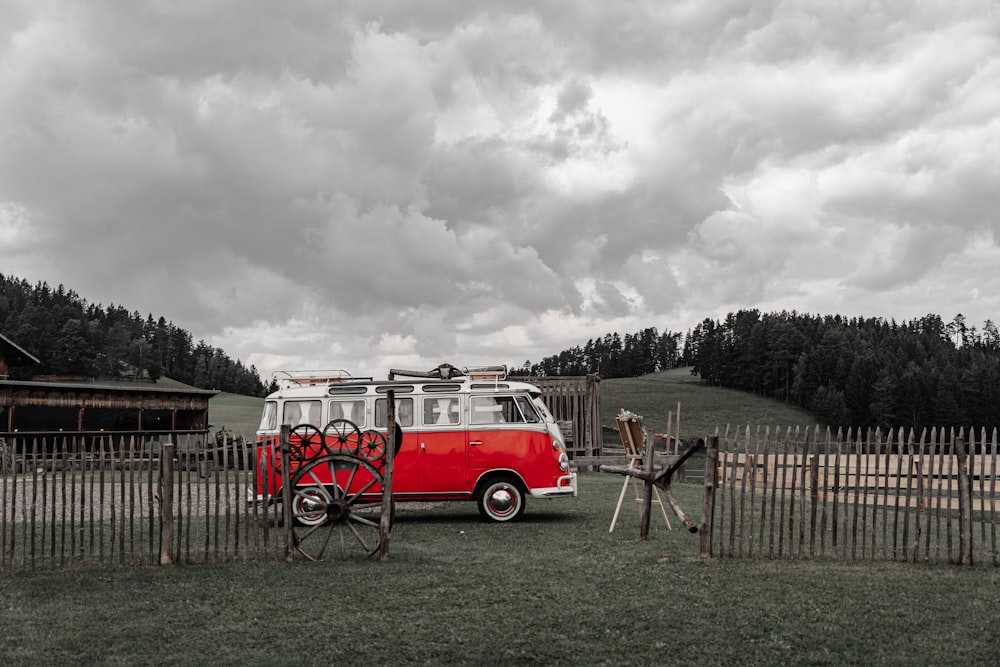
343, 436
372, 446
332, 515
305, 442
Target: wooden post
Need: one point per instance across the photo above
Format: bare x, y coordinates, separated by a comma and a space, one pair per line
708, 507
647, 496
286, 491
166, 490
813, 460
964, 504
385, 521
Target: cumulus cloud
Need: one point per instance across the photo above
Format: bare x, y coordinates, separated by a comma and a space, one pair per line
380, 183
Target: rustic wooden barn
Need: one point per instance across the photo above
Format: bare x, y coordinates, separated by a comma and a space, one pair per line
91, 409
575, 402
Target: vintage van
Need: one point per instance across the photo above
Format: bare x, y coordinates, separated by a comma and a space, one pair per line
467, 434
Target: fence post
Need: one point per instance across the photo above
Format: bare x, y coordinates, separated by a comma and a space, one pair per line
647, 496
286, 491
708, 507
964, 504
385, 520
166, 483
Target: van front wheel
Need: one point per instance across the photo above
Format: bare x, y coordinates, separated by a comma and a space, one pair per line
501, 500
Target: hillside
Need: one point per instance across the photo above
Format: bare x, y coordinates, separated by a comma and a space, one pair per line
71, 337
703, 407
235, 413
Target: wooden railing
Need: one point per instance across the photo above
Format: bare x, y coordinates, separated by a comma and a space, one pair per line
854, 496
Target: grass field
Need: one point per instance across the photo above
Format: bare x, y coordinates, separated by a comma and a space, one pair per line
703, 407
235, 413
554, 589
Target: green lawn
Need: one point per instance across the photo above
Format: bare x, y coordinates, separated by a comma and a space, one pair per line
555, 588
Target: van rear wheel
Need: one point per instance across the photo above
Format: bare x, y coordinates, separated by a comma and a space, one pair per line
501, 500
309, 505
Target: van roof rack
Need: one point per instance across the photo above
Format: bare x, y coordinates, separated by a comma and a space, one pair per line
309, 378
495, 373
448, 371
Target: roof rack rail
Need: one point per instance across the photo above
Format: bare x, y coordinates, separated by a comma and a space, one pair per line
448, 371
286, 379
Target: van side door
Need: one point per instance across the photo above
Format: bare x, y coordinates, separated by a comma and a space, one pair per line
504, 434
442, 443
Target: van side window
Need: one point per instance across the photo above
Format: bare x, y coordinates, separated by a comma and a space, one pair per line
495, 410
352, 410
441, 410
404, 412
302, 412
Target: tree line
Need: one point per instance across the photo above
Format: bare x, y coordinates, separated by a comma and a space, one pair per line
613, 356
73, 338
857, 371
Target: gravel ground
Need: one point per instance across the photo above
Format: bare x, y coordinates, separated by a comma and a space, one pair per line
129, 499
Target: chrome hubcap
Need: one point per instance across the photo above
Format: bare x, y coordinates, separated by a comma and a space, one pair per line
502, 500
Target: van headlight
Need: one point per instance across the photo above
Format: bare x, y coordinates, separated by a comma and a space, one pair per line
563, 461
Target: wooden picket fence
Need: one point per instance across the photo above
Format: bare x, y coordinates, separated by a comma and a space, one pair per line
72, 502
862, 495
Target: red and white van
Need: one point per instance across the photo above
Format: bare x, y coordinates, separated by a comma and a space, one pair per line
469, 434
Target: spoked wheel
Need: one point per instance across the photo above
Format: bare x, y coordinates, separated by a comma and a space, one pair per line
372, 447
305, 442
342, 436
327, 509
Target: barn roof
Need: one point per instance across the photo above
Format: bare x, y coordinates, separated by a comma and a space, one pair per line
15, 353
118, 387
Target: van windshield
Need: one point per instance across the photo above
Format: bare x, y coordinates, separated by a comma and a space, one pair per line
503, 409
269, 420
542, 410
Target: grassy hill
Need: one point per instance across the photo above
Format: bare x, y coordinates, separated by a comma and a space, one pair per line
232, 412
702, 407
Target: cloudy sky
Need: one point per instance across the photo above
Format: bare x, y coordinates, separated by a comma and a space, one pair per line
375, 184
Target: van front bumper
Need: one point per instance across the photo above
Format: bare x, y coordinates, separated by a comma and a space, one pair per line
565, 486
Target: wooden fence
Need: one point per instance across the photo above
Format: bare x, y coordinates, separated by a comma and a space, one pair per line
575, 402
65, 506
864, 495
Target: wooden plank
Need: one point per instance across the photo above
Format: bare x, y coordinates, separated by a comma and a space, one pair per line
877, 472
661, 461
